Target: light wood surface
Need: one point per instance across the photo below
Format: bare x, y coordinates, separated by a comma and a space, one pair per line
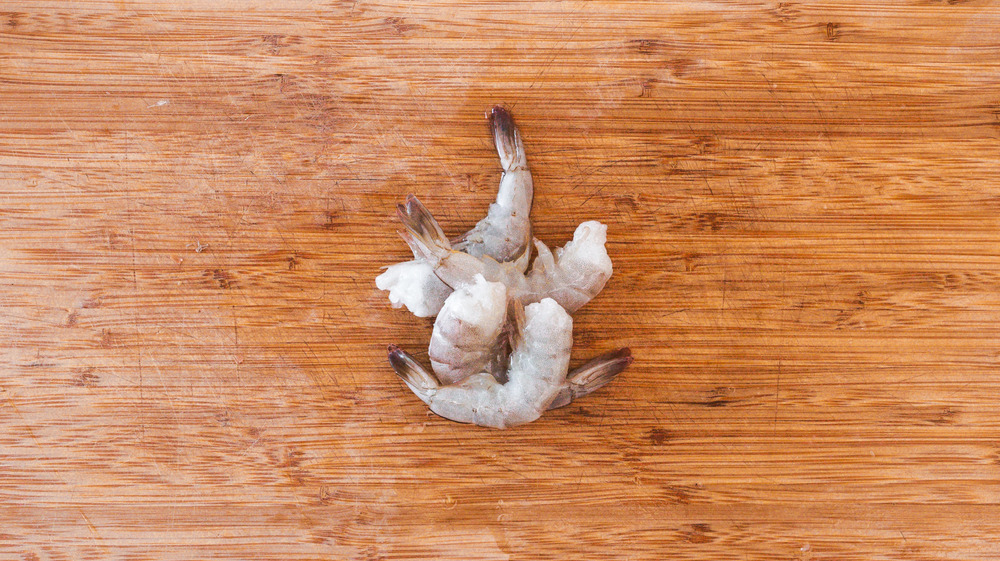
802, 199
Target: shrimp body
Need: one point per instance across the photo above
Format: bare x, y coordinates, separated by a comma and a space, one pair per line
576, 273
467, 330
505, 233
536, 375
537, 379
413, 284
571, 276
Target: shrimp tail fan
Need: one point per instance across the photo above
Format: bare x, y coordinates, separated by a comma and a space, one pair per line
423, 233
411, 371
506, 138
595, 374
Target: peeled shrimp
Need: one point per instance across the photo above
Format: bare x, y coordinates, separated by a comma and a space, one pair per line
576, 273
502, 339
503, 235
468, 329
572, 276
413, 283
537, 378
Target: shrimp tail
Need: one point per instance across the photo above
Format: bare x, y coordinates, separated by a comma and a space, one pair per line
425, 245
507, 139
415, 216
419, 379
421, 251
593, 375
423, 233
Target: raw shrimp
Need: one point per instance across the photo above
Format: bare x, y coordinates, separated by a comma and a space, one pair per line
593, 375
576, 273
504, 234
572, 276
468, 331
537, 375
537, 371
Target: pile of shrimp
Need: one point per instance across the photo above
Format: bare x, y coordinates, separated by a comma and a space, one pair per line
503, 334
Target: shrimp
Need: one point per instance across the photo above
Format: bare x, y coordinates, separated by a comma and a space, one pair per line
536, 373
573, 275
537, 378
468, 330
503, 235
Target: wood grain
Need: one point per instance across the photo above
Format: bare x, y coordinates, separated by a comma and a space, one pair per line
803, 206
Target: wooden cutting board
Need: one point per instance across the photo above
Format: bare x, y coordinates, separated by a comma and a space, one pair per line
802, 201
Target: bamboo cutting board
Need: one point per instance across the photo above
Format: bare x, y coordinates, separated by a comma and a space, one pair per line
802, 201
